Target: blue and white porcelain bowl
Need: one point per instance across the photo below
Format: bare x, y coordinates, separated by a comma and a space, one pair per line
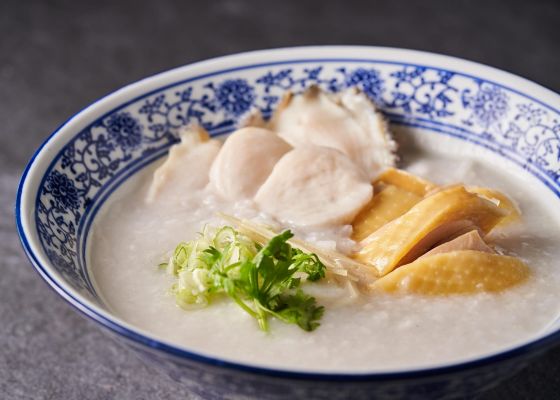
81, 164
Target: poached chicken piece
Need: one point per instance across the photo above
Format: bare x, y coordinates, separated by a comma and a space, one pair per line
468, 241
245, 161
315, 186
442, 216
186, 167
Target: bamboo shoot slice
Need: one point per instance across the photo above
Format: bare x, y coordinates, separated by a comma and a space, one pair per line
338, 264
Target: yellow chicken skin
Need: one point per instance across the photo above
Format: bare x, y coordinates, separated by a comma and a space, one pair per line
501, 200
406, 181
439, 217
388, 203
395, 192
457, 272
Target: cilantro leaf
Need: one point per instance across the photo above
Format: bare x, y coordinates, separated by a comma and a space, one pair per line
301, 309
259, 278
310, 264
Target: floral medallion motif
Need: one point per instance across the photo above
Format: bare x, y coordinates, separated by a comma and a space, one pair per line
368, 80
63, 191
124, 130
234, 96
488, 105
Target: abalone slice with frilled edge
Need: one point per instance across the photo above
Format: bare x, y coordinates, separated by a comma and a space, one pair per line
186, 167
347, 121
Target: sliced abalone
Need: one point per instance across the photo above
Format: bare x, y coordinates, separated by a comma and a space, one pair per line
186, 167
346, 121
314, 186
245, 162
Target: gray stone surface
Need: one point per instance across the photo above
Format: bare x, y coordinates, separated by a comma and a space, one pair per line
57, 57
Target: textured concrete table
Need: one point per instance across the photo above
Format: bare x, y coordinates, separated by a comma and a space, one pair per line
56, 58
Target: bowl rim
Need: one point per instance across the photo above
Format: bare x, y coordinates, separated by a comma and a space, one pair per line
136, 336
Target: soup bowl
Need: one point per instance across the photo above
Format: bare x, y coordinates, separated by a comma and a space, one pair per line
79, 167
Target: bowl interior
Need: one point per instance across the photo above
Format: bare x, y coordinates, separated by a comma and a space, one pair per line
83, 163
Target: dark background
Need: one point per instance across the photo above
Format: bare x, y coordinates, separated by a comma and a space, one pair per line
57, 57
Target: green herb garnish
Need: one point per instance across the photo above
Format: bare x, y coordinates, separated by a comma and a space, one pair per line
263, 280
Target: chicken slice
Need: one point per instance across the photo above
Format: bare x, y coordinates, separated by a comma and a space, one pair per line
396, 192
468, 241
245, 161
502, 201
456, 272
315, 186
186, 167
406, 181
441, 216
347, 121
388, 203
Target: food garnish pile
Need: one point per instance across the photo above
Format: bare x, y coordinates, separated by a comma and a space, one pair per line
322, 161
263, 280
